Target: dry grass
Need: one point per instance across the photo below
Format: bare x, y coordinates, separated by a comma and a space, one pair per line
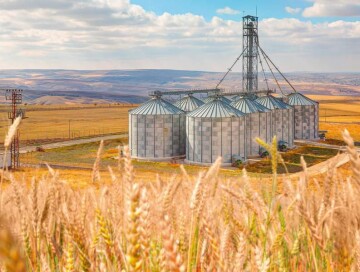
181, 223
338, 113
335, 130
339, 108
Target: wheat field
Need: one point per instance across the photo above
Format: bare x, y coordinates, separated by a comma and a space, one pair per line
49, 123
61, 122
183, 223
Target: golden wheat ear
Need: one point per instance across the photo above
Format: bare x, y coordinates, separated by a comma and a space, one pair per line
96, 168
11, 132
354, 155
10, 254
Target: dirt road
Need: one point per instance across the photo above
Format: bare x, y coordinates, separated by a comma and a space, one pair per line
337, 147
323, 167
27, 149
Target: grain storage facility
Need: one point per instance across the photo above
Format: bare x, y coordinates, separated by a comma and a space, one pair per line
157, 130
306, 112
215, 129
282, 118
258, 123
188, 103
220, 126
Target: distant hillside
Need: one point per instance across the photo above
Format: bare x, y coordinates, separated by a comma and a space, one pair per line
56, 100
133, 86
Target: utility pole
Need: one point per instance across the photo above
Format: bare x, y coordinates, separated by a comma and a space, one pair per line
15, 97
69, 129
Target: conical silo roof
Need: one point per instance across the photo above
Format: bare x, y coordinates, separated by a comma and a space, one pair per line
251, 96
235, 98
297, 99
188, 103
156, 106
271, 102
246, 105
216, 108
212, 98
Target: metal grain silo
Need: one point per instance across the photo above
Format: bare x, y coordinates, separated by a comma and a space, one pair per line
157, 131
212, 98
258, 123
188, 103
282, 118
306, 112
212, 130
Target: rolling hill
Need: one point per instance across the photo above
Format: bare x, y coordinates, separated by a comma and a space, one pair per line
133, 86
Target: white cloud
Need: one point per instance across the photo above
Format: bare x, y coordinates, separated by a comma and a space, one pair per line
292, 10
227, 11
334, 8
115, 34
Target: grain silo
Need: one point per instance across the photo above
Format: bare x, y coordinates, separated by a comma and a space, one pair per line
306, 112
188, 103
157, 130
258, 123
215, 129
282, 118
212, 98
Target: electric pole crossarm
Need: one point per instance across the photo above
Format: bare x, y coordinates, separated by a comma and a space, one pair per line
230, 69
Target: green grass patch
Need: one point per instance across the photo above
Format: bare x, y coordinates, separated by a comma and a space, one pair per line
83, 155
312, 155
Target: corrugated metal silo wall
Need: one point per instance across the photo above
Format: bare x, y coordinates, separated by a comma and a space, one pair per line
209, 138
283, 125
306, 121
317, 116
291, 124
157, 136
258, 125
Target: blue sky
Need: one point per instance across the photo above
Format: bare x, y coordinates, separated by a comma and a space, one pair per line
208, 8
299, 35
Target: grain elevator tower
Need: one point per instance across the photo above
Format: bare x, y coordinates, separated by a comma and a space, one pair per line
250, 56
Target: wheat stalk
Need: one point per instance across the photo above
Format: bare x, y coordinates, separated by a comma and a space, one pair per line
354, 155
10, 255
134, 247
173, 258
12, 132
96, 168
